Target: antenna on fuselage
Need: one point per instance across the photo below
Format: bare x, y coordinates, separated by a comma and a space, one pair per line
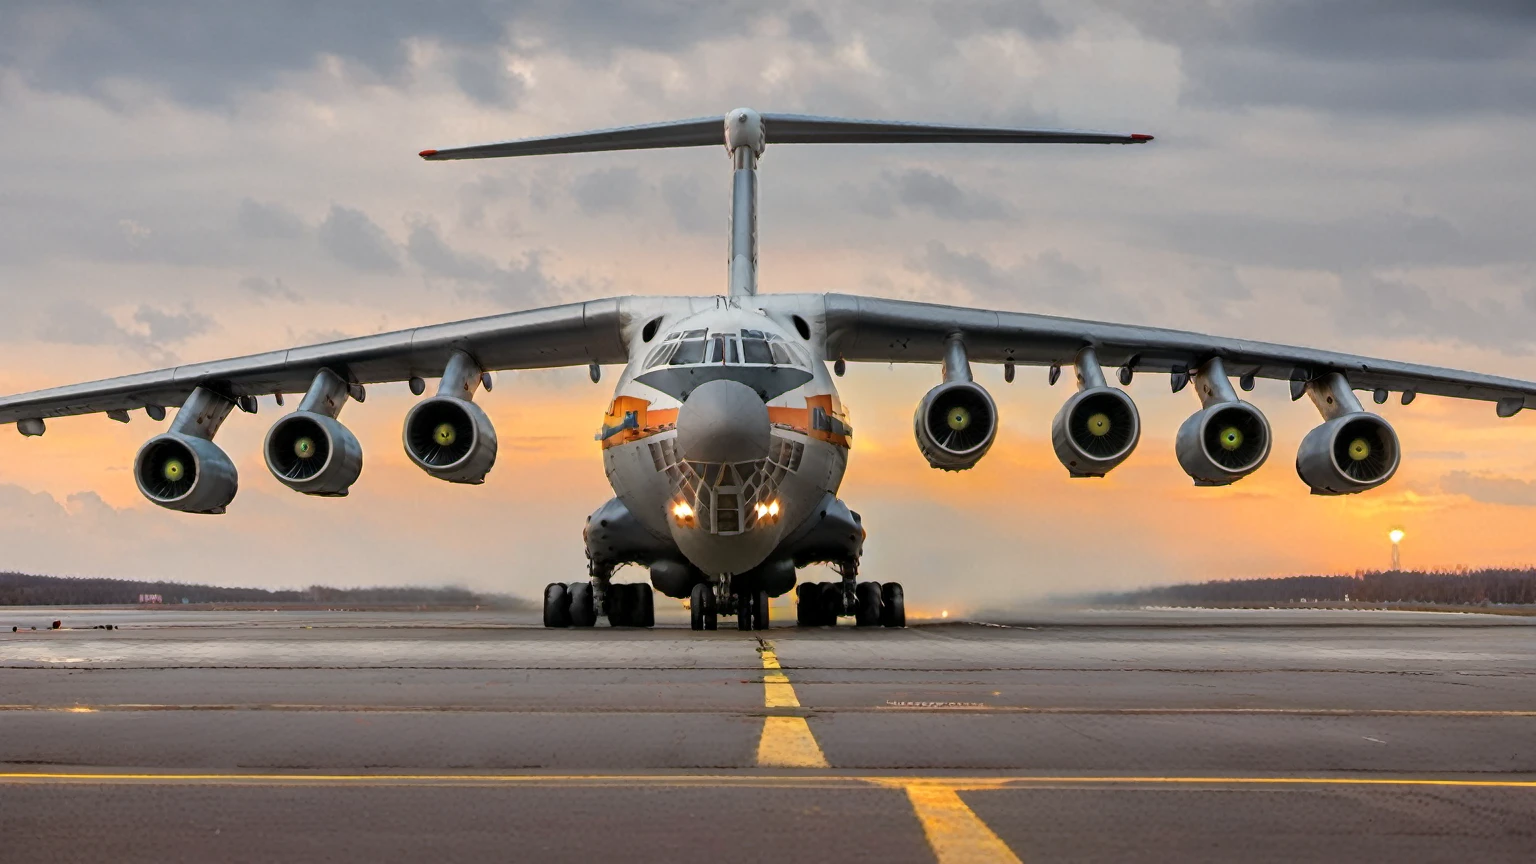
747, 133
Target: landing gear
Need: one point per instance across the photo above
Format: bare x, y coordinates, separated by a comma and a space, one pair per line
820, 604
752, 610
583, 609
578, 604
702, 609
557, 605
631, 605
893, 605
866, 609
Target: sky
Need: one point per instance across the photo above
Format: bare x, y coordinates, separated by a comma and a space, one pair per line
193, 181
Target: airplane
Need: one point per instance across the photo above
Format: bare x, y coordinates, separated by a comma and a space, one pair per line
725, 441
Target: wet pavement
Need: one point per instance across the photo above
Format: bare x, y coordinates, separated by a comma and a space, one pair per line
1062, 735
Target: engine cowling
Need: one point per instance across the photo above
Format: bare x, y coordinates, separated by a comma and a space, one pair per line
1223, 443
451, 439
313, 454
182, 472
1350, 453
1095, 430
955, 424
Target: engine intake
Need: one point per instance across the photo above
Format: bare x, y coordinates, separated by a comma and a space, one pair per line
1095, 430
450, 438
955, 425
1350, 453
1224, 443
186, 473
313, 454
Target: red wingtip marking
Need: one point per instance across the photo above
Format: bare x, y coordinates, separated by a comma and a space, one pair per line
425, 153
1135, 137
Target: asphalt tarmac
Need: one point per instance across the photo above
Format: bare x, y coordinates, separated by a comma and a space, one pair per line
1155, 735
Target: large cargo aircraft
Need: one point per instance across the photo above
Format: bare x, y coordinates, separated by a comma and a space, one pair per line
725, 442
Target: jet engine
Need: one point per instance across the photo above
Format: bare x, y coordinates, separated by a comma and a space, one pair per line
1353, 450
1223, 443
1350, 453
452, 439
448, 436
186, 473
1095, 430
955, 424
313, 454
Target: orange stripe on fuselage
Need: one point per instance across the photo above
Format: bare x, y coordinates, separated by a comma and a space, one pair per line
650, 421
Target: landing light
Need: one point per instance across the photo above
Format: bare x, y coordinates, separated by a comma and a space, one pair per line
682, 511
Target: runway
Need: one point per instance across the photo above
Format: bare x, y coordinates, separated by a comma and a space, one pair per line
1064, 735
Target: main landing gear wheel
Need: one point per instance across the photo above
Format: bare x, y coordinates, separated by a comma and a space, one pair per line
831, 603
631, 605
805, 604
745, 600
583, 611
701, 608
760, 610
893, 605
866, 611
557, 605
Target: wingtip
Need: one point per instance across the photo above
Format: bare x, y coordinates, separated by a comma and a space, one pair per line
427, 154
1140, 138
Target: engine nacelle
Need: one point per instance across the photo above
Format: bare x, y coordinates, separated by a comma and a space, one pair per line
452, 439
313, 454
1095, 430
186, 473
1224, 443
1350, 453
955, 425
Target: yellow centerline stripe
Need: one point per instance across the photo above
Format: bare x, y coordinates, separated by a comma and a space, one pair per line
786, 742
956, 834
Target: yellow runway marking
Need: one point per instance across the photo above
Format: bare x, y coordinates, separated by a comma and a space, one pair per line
749, 780
787, 742
956, 833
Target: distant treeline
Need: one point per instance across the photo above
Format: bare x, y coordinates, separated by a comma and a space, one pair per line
1470, 588
21, 589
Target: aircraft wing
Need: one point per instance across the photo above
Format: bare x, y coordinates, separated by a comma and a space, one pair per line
897, 331
571, 335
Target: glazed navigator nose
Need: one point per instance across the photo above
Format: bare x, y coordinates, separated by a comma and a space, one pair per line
723, 421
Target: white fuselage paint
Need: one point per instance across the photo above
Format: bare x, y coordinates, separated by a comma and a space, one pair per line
650, 492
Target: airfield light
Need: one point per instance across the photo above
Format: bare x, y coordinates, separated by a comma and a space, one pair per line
1396, 536
944, 614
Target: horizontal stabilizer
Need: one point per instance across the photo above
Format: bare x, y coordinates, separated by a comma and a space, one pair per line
779, 129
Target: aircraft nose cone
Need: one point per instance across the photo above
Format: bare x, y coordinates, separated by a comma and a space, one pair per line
723, 421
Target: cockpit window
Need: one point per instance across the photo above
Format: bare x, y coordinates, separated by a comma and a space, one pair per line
752, 347
689, 351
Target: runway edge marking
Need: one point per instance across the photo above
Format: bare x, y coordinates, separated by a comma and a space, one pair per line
786, 742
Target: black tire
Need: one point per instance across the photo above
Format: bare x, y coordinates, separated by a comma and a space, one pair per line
700, 602
893, 611
621, 605
760, 611
557, 605
806, 596
645, 605
867, 612
744, 610
583, 612
831, 603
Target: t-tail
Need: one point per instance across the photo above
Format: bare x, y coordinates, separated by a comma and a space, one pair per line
747, 134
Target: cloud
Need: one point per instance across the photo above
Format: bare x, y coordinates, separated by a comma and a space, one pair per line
519, 284
157, 331
485, 78
1490, 488
927, 192
608, 190
353, 239
269, 221
683, 196
1047, 281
